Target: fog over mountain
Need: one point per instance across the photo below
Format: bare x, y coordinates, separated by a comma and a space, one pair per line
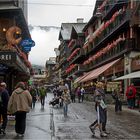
46, 39
46, 28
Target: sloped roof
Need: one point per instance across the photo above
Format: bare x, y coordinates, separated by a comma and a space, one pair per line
94, 16
66, 28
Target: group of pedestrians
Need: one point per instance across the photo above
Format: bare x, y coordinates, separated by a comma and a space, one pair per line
62, 97
22, 99
18, 104
38, 93
78, 92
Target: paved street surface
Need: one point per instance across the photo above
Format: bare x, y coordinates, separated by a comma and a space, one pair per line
50, 124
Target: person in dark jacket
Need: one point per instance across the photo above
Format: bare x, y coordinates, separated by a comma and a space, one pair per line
117, 98
3, 107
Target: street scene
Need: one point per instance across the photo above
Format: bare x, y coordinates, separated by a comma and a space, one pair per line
70, 70
76, 125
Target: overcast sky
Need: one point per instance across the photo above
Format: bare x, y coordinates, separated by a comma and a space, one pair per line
53, 13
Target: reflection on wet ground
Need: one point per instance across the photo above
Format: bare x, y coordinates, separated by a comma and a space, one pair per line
49, 123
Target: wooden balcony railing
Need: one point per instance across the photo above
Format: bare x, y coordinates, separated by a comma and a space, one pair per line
79, 57
108, 33
117, 51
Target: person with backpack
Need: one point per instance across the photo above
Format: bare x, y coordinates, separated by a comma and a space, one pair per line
42, 94
131, 94
4, 98
34, 95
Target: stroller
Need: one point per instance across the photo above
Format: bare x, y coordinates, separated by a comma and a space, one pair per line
54, 101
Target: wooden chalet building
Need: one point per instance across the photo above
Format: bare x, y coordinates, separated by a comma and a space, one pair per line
71, 53
111, 46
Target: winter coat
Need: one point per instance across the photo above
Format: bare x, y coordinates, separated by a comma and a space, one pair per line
5, 97
133, 90
20, 100
66, 97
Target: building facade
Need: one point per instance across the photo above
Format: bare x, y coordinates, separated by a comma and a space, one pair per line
110, 49
14, 64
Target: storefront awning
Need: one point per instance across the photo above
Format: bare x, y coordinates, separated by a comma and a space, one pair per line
96, 72
80, 78
129, 76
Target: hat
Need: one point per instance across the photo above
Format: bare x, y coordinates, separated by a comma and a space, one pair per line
3, 84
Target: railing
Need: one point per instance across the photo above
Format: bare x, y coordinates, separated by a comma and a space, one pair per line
78, 69
78, 56
118, 24
117, 51
77, 44
111, 6
114, 26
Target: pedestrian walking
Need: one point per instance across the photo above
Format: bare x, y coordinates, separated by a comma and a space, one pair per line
117, 98
4, 97
78, 91
34, 95
66, 101
19, 104
82, 94
73, 95
101, 109
42, 94
131, 94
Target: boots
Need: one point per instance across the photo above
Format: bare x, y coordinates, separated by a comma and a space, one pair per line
92, 130
2, 131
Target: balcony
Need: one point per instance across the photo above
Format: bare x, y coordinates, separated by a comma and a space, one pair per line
112, 6
120, 23
114, 52
79, 57
77, 70
77, 44
63, 74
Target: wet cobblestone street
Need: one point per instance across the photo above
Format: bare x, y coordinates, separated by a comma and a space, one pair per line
76, 126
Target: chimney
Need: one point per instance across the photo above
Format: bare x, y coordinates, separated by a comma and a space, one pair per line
80, 20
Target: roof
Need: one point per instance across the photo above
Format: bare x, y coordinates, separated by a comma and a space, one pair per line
94, 16
66, 28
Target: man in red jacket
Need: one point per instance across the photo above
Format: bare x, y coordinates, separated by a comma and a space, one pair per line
130, 94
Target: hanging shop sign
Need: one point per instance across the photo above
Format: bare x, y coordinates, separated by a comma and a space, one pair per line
27, 44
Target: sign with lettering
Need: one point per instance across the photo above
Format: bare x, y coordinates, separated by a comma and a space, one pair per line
27, 44
5, 57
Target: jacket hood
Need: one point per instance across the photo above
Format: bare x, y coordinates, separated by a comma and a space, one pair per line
19, 90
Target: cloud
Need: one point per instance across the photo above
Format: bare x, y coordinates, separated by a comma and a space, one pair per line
45, 42
53, 15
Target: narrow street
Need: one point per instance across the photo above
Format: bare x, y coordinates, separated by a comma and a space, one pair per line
49, 123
